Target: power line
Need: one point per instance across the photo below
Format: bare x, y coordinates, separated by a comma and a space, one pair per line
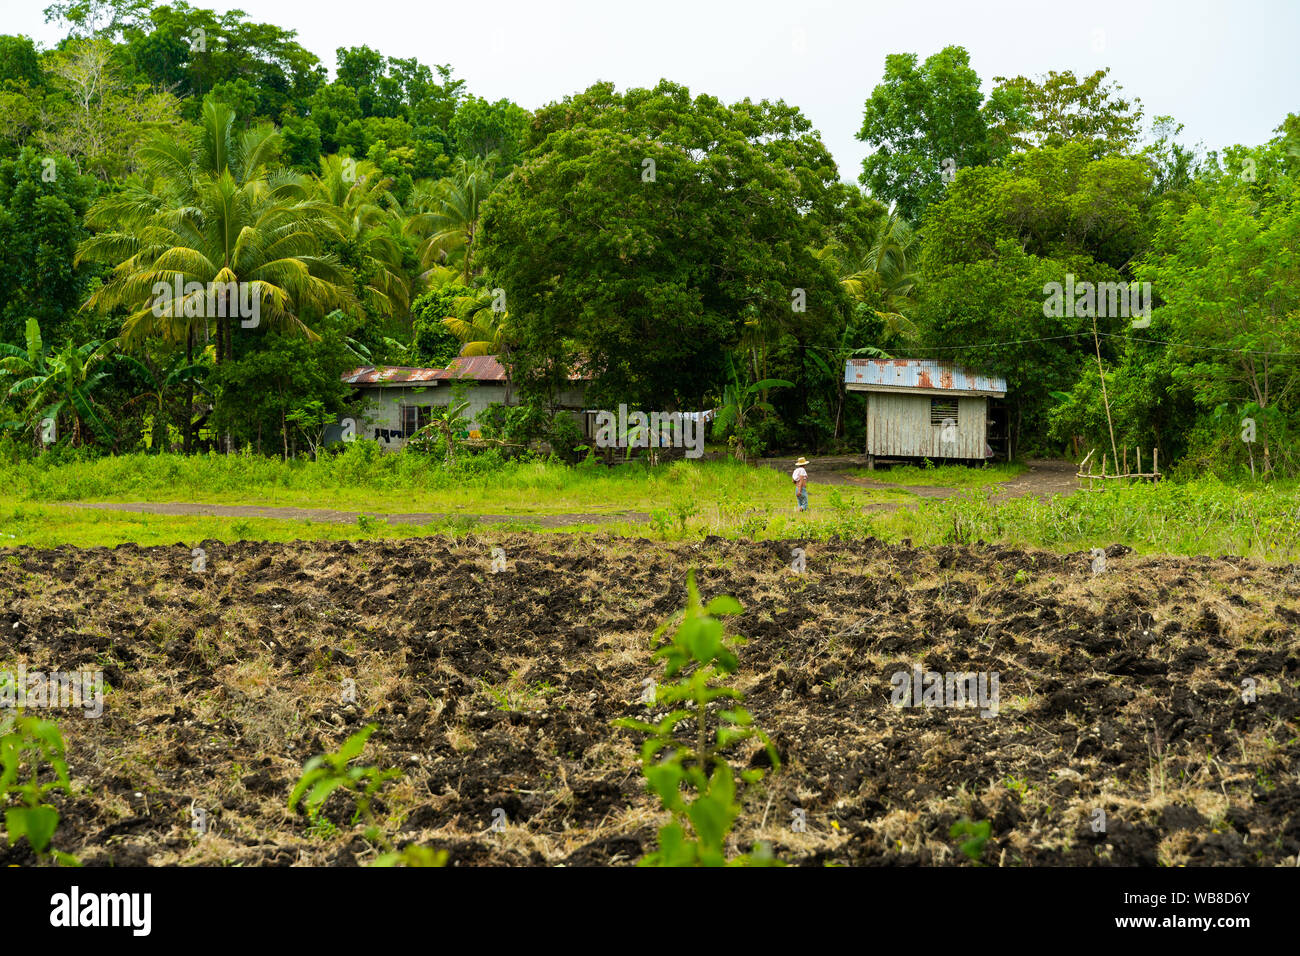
1075, 335
1204, 348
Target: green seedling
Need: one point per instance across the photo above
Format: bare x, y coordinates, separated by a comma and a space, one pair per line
690, 772
324, 774
28, 747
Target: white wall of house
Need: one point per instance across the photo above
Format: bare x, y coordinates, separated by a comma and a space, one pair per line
381, 412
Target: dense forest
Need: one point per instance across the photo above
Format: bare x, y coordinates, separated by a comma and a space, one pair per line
682, 252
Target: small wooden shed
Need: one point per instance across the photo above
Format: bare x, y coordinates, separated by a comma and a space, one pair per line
919, 408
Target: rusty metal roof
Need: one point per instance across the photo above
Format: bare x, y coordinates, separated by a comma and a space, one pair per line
921, 376
392, 375
479, 368
475, 368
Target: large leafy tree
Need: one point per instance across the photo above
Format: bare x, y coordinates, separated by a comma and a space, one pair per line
1061, 108
994, 243
923, 122
480, 128
433, 344
1228, 274
93, 111
42, 204
286, 380
97, 18
644, 229
196, 51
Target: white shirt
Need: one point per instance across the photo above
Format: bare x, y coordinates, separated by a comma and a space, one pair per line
799, 474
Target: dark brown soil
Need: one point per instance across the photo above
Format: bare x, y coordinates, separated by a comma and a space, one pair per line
1120, 693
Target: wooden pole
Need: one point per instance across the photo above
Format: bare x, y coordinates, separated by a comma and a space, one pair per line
1139, 451
1155, 462
1105, 400
1125, 471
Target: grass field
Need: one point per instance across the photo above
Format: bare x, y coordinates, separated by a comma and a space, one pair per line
683, 501
364, 479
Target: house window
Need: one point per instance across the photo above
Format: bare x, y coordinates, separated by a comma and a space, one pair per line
414, 417
941, 408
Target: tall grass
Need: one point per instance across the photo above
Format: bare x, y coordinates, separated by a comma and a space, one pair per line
1202, 517
1205, 516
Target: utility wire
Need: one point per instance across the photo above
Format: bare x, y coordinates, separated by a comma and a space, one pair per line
1073, 335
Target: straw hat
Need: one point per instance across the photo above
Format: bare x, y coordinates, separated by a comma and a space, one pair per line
801, 461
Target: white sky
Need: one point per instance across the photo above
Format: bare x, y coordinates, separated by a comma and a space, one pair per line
1230, 72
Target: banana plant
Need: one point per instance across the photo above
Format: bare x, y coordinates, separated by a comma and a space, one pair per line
448, 421
62, 383
834, 368
740, 402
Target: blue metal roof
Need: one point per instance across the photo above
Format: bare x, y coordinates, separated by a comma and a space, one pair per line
921, 375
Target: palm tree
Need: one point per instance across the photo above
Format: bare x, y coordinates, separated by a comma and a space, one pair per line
370, 224
482, 329
50, 385
211, 212
448, 215
882, 269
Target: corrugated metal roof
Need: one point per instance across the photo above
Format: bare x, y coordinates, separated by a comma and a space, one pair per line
480, 368
475, 368
919, 375
391, 375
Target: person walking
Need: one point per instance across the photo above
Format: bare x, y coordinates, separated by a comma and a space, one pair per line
800, 478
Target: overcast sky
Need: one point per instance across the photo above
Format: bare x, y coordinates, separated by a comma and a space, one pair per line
1230, 72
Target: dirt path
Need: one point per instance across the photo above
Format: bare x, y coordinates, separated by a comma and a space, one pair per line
1045, 477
